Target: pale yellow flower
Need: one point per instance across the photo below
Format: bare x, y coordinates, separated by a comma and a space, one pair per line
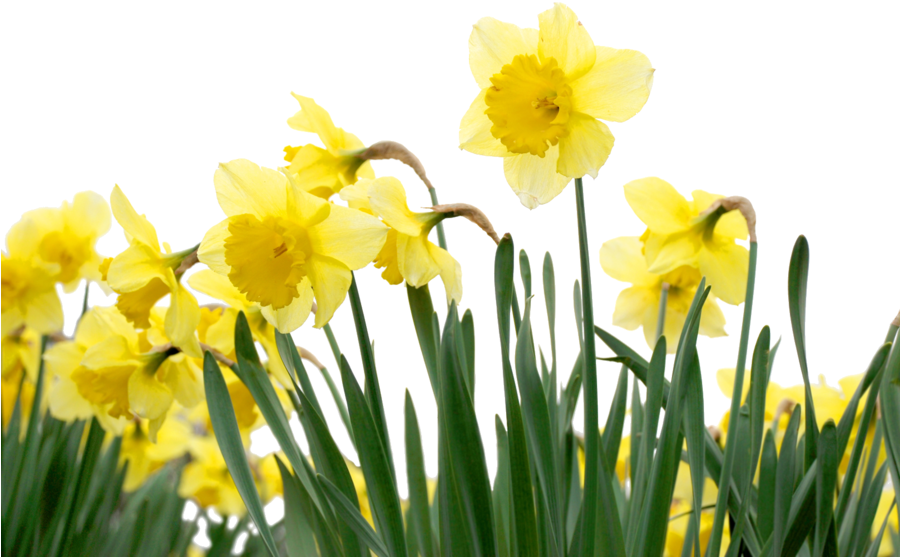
638, 305
281, 246
21, 359
323, 172
677, 235
542, 92
408, 253
28, 291
144, 456
143, 274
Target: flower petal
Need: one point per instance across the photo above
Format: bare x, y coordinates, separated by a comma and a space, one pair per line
621, 258
352, 237
658, 205
135, 267
475, 131
182, 318
414, 260
732, 225
44, 312
243, 187
564, 38
315, 119
585, 148
330, 281
667, 253
137, 227
184, 378
631, 305
493, 44
535, 179
219, 287
387, 198
317, 170
617, 86
712, 320
89, 215
304, 207
451, 272
725, 266
147, 397
212, 249
293, 315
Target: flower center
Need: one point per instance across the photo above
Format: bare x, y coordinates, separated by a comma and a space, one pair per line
529, 104
266, 259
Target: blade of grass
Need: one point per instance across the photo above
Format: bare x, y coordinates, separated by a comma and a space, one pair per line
784, 481
418, 520
826, 479
352, 517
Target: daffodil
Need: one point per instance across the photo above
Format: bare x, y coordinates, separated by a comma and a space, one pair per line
678, 234
143, 274
323, 172
65, 237
28, 295
638, 305
217, 329
21, 358
408, 253
144, 456
112, 372
281, 246
542, 92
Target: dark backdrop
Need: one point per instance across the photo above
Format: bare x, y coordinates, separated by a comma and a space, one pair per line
778, 112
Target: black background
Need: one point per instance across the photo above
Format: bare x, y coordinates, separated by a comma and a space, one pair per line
782, 112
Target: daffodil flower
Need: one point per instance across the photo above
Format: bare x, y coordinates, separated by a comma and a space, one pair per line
112, 372
679, 234
323, 172
65, 237
21, 358
217, 326
407, 253
143, 274
28, 292
542, 92
145, 456
281, 246
638, 305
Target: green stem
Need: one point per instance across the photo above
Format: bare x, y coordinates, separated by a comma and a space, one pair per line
661, 317
442, 239
591, 411
335, 349
715, 541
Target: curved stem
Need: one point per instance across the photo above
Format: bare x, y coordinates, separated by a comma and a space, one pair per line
442, 239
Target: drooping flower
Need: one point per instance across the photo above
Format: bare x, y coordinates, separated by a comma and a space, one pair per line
638, 305
542, 92
143, 274
112, 372
408, 253
64, 238
323, 172
679, 234
281, 246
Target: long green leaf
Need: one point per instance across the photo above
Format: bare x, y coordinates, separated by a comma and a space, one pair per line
784, 481
221, 414
766, 505
354, 519
422, 310
419, 520
828, 458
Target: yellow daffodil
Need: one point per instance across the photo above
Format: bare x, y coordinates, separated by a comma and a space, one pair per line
112, 372
28, 295
542, 92
323, 172
144, 456
143, 274
407, 253
638, 305
64, 237
678, 235
281, 246
21, 358
219, 332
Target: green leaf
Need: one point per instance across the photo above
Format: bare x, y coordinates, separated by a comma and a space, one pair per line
419, 521
351, 515
501, 496
802, 518
766, 504
694, 428
797, 278
294, 364
525, 271
224, 423
422, 310
875, 546
615, 420
784, 480
826, 479
889, 394
468, 343
550, 299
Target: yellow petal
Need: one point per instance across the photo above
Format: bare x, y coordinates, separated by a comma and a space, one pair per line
147, 397
330, 281
182, 319
219, 287
137, 227
617, 86
534, 179
667, 253
475, 131
725, 380
135, 267
493, 44
631, 305
414, 260
658, 205
725, 266
212, 249
451, 272
388, 200
621, 258
702, 200
712, 320
220, 335
89, 215
585, 148
313, 118
99, 323
732, 225
352, 237
66, 404
305, 208
137, 305
44, 313
184, 378
357, 195
293, 315
564, 38
317, 170
242, 187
